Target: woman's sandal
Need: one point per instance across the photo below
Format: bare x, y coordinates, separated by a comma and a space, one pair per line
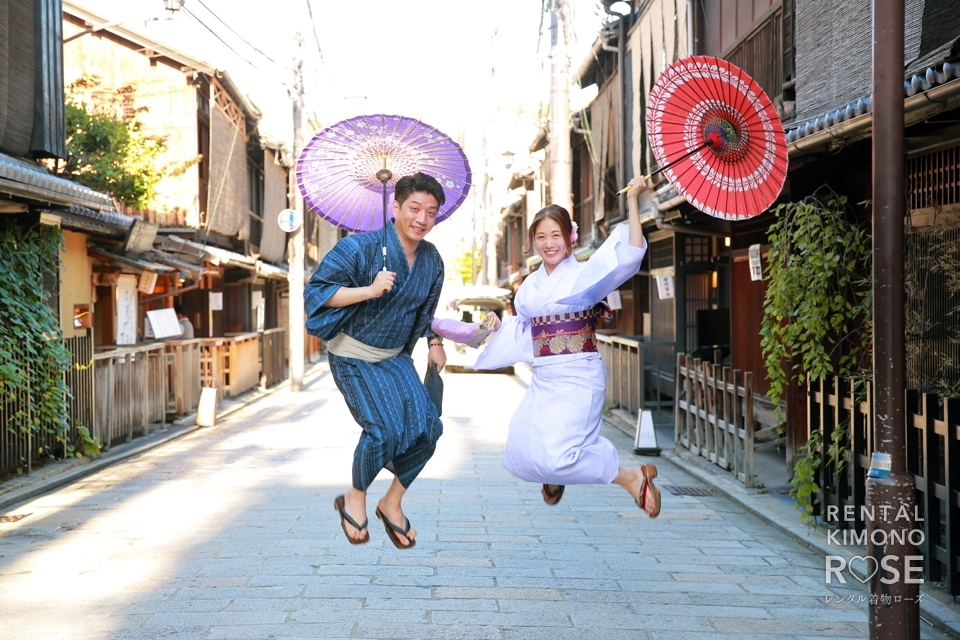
552, 497
393, 530
340, 504
649, 473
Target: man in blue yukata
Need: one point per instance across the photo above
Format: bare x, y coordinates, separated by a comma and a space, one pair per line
371, 320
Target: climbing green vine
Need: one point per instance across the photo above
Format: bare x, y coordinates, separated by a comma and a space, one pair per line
816, 311
31, 372
817, 305
804, 488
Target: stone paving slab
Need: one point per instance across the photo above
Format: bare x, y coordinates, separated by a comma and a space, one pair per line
229, 533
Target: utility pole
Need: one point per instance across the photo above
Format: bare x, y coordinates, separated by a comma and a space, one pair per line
295, 252
894, 588
561, 165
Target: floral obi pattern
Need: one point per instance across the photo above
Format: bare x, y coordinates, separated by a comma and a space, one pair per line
565, 333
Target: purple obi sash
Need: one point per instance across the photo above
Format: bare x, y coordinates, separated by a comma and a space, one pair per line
565, 333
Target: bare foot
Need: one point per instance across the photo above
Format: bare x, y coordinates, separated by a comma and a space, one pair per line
355, 504
394, 513
632, 478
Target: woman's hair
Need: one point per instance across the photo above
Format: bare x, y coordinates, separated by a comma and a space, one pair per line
559, 215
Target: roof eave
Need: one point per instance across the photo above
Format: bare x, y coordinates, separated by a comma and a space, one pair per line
137, 38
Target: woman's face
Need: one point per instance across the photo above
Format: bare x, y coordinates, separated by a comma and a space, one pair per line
550, 244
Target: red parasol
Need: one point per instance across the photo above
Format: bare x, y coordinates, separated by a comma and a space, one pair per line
717, 137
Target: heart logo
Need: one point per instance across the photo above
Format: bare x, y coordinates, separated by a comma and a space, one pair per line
867, 560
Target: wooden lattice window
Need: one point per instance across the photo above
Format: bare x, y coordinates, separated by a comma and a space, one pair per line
933, 180
696, 249
226, 105
661, 253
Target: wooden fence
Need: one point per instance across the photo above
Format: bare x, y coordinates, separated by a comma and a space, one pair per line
634, 377
273, 357
19, 445
130, 392
80, 381
118, 394
183, 376
718, 416
16, 437
230, 364
932, 427
841, 409
623, 360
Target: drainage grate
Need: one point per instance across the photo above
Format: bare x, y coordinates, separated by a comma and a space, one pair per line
687, 491
16, 518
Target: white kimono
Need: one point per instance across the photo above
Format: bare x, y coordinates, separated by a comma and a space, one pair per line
554, 436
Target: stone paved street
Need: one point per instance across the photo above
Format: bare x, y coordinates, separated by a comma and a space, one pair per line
229, 532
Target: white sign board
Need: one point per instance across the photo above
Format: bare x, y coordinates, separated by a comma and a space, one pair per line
614, 300
127, 309
756, 270
148, 280
216, 301
164, 323
256, 299
665, 287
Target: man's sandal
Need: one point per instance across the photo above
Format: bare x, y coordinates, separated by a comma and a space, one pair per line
339, 504
552, 497
393, 530
649, 473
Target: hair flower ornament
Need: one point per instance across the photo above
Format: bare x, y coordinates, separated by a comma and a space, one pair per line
574, 236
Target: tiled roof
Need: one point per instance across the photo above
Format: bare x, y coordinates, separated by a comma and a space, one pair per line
33, 181
108, 217
917, 84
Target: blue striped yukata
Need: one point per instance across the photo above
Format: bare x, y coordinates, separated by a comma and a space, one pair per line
387, 398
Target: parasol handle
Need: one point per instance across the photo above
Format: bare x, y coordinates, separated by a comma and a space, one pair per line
708, 143
384, 176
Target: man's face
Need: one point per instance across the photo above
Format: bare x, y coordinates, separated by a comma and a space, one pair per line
416, 216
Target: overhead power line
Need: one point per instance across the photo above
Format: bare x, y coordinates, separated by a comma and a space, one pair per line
230, 29
217, 36
316, 39
315, 36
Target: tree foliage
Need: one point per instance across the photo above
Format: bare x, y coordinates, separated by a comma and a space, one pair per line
107, 149
466, 265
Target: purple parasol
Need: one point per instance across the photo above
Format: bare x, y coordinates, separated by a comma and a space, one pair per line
341, 170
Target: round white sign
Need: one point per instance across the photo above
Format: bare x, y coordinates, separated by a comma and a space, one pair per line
289, 220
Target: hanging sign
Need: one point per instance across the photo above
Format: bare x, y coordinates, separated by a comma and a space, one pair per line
289, 220
126, 309
216, 301
148, 280
164, 324
756, 270
614, 300
665, 287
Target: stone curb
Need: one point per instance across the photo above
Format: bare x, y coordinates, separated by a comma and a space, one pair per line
60, 473
772, 511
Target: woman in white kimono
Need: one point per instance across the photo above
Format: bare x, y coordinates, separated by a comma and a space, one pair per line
554, 436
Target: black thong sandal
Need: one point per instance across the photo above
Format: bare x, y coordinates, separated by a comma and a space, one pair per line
649, 473
393, 530
552, 497
340, 505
